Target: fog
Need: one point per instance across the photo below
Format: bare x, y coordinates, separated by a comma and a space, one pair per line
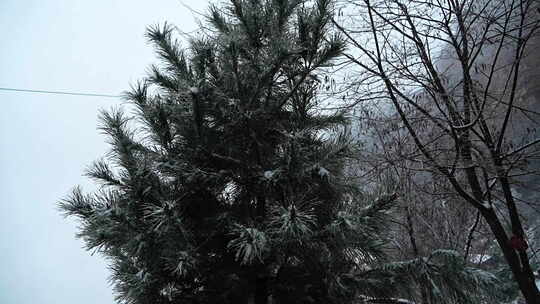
47, 140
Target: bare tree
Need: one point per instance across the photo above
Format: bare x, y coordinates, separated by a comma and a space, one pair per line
453, 71
428, 216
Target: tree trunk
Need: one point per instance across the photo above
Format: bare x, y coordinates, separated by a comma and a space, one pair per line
518, 261
261, 290
522, 275
412, 239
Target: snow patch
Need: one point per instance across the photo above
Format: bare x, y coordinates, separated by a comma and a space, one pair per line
194, 90
323, 172
479, 258
486, 204
269, 174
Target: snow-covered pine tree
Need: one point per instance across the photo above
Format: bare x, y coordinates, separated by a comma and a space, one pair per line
231, 190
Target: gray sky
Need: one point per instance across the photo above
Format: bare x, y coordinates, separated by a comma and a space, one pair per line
47, 140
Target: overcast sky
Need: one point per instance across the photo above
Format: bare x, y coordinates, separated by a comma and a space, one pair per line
93, 46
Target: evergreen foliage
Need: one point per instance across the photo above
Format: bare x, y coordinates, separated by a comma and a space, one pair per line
228, 184
229, 188
440, 277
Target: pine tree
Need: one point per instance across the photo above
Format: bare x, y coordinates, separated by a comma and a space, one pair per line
227, 185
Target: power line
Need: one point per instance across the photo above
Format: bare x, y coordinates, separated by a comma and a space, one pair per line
59, 92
